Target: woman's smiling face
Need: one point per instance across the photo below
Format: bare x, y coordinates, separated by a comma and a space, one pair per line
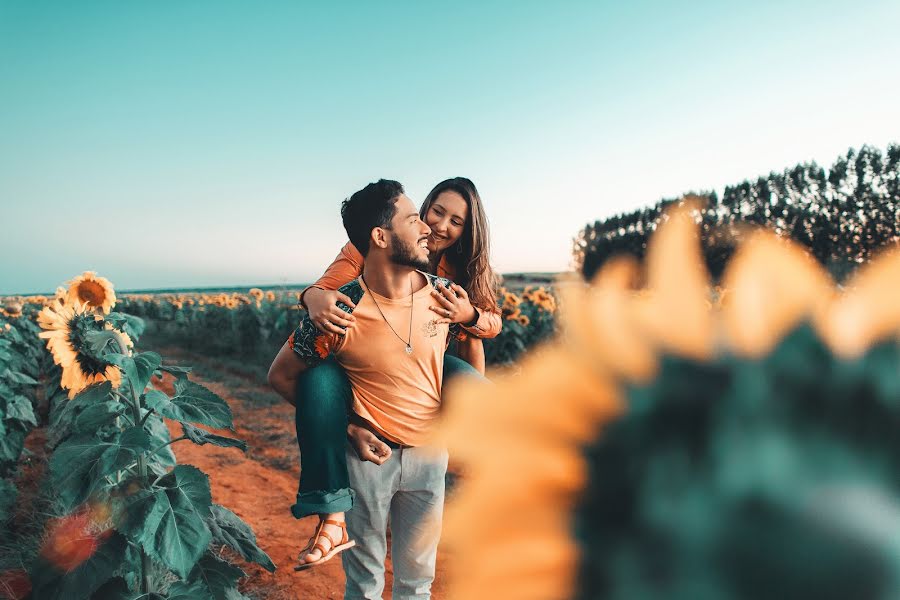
447, 218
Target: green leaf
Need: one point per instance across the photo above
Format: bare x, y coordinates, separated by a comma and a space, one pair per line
219, 576
159, 434
96, 416
51, 584
116, 589
227, 528
130, 324
7, 499
179, 372
11, 444
139, 368
174, 528
196, 590
155, 399
100, 343
79, 464
62, 420
201, 437
16, 377
20, 408
196, 404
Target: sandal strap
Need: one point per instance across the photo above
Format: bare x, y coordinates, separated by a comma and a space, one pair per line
327, 536
311, 542
344, 536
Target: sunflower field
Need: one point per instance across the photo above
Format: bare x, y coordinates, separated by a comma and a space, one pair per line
118, 517
252, 326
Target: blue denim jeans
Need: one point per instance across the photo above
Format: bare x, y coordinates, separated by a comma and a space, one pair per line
323, 401
407, 492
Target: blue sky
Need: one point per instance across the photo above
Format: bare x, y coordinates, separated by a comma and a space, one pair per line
202, 143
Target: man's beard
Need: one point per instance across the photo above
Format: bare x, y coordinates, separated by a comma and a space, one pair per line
405, 255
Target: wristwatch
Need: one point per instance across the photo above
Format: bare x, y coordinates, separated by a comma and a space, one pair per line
474, 322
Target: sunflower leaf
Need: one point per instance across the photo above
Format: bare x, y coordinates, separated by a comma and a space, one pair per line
79, 464
50, 583
179, 372
97, 415
11, 444
159, 435
196, 590
219, 576
17, 377
7, 499
100, 342
171, 521
130, 324
138, 369
227, 528
201, 437
196, 404
19, 407
117, 589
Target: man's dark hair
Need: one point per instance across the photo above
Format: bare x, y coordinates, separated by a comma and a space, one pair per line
371, 207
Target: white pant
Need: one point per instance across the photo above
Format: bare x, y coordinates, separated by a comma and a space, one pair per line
407, 491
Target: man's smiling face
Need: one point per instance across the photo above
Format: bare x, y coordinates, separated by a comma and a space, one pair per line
409, 236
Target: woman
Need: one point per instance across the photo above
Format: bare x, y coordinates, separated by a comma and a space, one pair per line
459, 250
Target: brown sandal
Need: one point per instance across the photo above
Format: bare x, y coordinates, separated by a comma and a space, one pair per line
327, 553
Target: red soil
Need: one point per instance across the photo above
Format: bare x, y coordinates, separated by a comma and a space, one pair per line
260, 486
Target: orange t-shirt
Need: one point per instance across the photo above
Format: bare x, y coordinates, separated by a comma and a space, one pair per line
397, 393
348, 265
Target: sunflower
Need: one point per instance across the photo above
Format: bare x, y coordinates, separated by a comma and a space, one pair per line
672, 446
92, 291
65, 328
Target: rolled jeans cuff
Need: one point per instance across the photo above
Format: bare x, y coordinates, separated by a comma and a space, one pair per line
318, 502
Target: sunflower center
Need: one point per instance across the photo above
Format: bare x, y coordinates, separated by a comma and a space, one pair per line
91, 293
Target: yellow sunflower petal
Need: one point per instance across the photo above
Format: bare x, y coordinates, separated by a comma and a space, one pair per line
674, 311
869, 311
773, 284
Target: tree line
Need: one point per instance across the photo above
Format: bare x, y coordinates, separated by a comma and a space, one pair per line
843, 215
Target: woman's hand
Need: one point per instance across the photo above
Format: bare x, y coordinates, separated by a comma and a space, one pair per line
454, 304
324, 312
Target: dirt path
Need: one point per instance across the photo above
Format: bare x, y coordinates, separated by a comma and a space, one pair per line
261, 485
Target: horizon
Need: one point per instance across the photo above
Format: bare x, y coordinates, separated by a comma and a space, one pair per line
221, 288
205, 144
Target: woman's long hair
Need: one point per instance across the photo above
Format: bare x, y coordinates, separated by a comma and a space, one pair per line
470, 255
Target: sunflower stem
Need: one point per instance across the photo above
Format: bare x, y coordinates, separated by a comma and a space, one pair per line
145, 417
135, 403
169, 443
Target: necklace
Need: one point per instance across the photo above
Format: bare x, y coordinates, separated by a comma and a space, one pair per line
408, 343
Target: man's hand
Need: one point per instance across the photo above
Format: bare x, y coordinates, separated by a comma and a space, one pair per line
324, 312
367, 446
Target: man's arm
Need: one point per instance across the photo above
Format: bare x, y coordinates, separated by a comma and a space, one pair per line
285, 370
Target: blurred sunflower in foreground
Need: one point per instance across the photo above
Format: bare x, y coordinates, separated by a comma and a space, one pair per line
68, 324
681, 442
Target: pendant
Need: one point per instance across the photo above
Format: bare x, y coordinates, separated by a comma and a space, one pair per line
408, 349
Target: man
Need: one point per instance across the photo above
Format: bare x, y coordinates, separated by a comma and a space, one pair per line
394, 359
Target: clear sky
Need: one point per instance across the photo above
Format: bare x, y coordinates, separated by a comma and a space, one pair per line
202, 143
